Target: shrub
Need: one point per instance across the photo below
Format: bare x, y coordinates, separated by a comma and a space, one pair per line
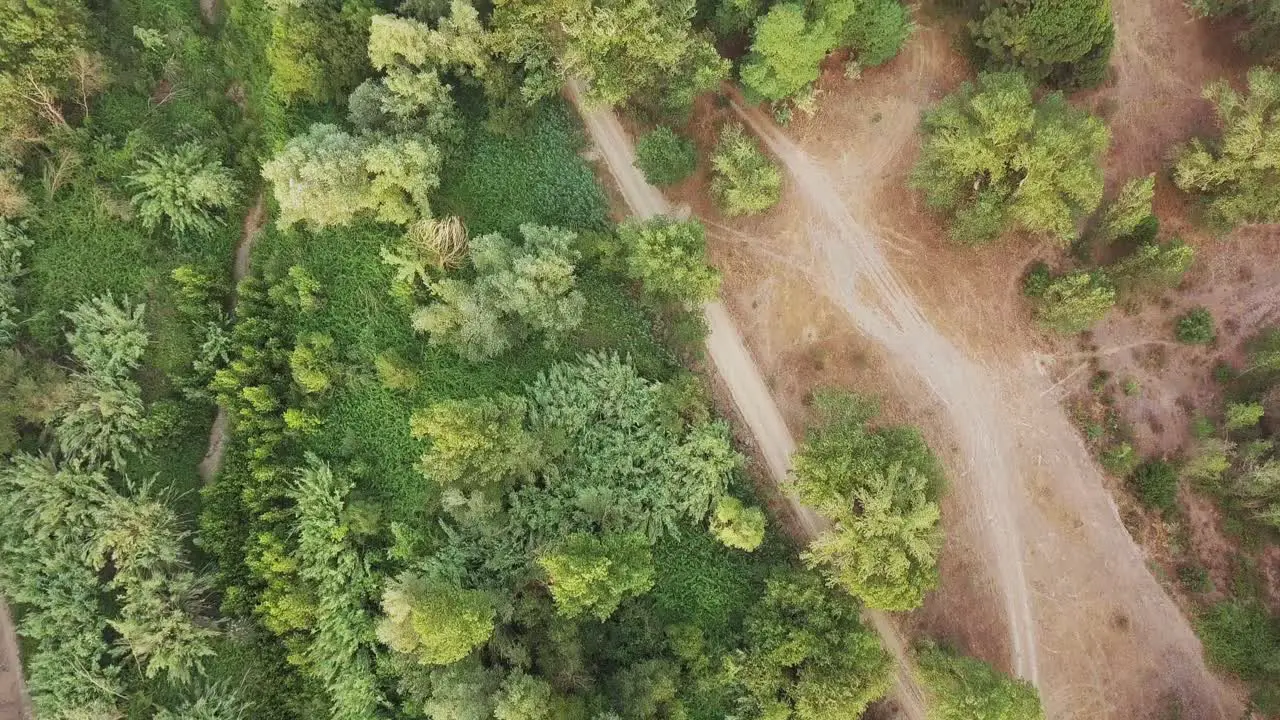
1241, 638
1130, 209
664, 157
997, 160
1152, 267
182, 187
743, 179
1156, 484
1120, 459
1195, 327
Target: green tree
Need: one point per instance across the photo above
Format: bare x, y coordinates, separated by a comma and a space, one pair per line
1129, 210
1066, 42
53, 515
736, 525
13, 243
623, 49
786, 51
1073, 302
317, 49
589, 574
107, 337
477, 443
183, 187
807, 657
743, 179
664, 157
436, 622
878, 31
1237, 175
1195, 327
996, 161
524, 697
41, 44
1240, 416
962, 688
1261, 34
879, 488
669, 258
517, 291
1151, 266
328, 177
311, 363
214, 701
340, 651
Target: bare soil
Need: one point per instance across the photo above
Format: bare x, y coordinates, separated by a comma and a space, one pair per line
851, 282
15, 704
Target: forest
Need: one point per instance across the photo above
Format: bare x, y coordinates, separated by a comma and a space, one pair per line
335, 384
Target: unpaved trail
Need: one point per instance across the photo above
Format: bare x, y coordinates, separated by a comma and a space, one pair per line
746, 386
218, 435
15, 703
1088, 623
860, 281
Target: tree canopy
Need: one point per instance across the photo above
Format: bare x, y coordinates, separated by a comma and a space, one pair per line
1238, 174
997, 161
1065, 42
879, 487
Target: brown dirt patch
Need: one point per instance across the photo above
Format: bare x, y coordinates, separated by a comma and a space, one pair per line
1113, 646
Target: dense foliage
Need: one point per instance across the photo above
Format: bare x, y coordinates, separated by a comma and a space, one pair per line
997, 161
1064, 42
743, 178
664, 157
879, 487
962, 688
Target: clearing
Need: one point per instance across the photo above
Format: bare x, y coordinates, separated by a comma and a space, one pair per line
852, 282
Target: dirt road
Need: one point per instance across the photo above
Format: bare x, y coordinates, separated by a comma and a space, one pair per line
735, 366
15, 703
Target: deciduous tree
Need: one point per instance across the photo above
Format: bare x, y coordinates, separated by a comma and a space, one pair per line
962, 688
590, 574
669, 258
1238, 175
1066, 42
997, 161
436, 622
743, 179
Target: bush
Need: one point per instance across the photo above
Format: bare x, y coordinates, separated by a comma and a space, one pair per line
1120, 459
664, 157
1195, 327
1155, 482
736, 525
743, 179
669, 258
1240, 637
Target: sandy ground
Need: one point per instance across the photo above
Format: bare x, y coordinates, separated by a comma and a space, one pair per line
221, 429
15, 704
851, 282
752, 401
